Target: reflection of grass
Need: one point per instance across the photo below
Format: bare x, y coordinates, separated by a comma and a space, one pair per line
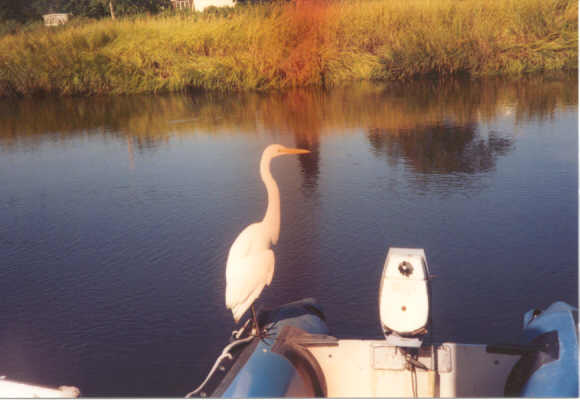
312, 42
304, 113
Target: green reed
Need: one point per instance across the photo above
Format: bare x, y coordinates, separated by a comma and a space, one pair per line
281, 45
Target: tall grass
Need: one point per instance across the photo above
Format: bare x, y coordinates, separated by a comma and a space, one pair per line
307, 43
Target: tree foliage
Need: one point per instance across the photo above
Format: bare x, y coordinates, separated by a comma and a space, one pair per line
24, 11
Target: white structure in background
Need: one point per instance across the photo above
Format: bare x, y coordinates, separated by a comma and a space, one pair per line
200, 5
183, 4
55, 19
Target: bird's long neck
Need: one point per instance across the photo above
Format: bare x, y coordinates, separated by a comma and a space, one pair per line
272, 217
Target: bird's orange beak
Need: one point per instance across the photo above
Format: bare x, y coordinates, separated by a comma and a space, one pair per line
295, 151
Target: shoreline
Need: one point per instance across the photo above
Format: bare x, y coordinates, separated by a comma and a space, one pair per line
280, 46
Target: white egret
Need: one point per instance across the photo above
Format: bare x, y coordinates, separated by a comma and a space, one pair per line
250, 264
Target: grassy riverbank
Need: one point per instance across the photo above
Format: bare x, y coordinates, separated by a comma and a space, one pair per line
276, 46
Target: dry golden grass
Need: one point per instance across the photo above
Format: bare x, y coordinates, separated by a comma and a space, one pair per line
308, 43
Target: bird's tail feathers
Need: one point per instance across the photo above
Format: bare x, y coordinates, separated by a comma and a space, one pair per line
238, 312
240, 309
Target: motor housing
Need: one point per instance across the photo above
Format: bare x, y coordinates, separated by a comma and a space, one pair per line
404, 294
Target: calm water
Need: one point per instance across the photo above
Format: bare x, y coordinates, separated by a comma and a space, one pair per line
116, 215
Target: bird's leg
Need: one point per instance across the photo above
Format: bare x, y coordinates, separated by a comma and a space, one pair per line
256, 326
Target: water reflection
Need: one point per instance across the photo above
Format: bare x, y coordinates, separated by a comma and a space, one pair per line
441, 148
430, 125
305, 120
442, 155
304, 113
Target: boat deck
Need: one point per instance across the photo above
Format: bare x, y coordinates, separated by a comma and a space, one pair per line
370, 368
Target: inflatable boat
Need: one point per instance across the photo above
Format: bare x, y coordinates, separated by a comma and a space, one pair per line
295, 356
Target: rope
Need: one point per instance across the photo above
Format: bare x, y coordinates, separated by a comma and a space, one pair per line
238, 333
412, 364
414, 381
225, 354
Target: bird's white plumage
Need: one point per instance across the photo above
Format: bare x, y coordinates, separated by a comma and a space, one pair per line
249, 268
250, 264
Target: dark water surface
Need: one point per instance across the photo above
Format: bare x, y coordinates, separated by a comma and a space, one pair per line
116, 215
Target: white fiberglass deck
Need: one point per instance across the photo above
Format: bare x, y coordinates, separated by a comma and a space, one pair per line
12, 389
369, 368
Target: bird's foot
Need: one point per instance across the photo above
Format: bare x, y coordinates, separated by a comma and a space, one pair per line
267, 334
259, 333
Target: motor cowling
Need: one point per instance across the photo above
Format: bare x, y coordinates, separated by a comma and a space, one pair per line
404, 293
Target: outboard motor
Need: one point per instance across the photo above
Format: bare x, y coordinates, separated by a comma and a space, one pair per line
404, 297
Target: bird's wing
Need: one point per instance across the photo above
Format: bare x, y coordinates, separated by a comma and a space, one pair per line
245, 279
242, 246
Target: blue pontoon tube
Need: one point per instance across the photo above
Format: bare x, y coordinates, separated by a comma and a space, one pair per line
298, 358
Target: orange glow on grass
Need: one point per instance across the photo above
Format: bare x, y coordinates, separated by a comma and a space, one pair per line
307, 22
